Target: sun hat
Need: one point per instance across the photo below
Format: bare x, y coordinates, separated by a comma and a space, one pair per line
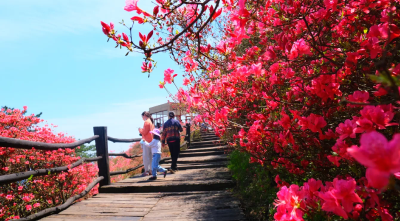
156, 132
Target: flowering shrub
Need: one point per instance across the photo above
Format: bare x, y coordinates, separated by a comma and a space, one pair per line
22, 198
308, 88
122, 163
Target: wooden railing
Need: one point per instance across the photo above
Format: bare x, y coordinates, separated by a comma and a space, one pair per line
101, 140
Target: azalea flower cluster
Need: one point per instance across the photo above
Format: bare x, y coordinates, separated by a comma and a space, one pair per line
178, 20
121, 40
340, 197
20, 199
310, 89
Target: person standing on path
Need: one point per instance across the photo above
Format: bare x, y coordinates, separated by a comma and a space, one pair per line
171, 134
148, 137
155, 147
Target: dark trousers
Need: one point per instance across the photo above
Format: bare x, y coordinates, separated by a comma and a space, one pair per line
174, 149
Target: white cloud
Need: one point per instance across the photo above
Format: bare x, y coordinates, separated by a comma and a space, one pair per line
122, 121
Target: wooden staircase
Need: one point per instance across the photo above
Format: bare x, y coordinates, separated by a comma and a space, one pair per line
198, 191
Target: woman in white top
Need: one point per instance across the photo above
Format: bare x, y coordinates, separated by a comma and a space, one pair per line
155, 146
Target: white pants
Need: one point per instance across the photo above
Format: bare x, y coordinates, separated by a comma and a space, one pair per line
147, 158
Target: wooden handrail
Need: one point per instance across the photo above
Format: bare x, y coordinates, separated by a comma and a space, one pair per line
135, 168
126, 171
124, 155
93, 159
9, 178
117, 140
101, 139
64, 205
26, 144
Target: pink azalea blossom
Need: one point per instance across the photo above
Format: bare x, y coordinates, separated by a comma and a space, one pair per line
334, 160
299, 48
331, 204
107, 29
196, 98
313, 122
382, 158
346, 129
274, 68
167, 76
28, 207
186, 81
378, 116
372, 44
326, 87
396, 70
364, 125
285, 121
131, 5
352, 58
397, 175
344, 191
359, 97
288, 204
26, 198
313, 185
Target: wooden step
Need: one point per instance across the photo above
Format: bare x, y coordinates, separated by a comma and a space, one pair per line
184, 180
208, 143
214, 148
194, 205
197, 165
197, 191
205, 145
209, 138
200, 153
202, 159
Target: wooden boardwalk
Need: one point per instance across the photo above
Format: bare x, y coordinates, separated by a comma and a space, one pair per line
198, 191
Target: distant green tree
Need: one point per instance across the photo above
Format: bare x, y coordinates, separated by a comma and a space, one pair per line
86, 151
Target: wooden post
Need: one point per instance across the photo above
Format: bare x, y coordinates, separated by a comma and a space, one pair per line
188, 133
102, 150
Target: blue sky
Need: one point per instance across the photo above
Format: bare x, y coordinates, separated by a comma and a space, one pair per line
55, 59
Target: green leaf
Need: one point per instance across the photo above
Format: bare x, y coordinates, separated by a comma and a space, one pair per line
383, 79
30, 178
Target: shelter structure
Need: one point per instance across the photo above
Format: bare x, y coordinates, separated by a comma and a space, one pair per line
160, 113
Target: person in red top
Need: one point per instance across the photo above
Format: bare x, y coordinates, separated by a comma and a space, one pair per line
148, 137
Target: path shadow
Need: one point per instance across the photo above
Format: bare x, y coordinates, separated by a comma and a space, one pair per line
214, 205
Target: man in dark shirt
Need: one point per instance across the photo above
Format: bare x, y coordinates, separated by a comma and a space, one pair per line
171, 134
